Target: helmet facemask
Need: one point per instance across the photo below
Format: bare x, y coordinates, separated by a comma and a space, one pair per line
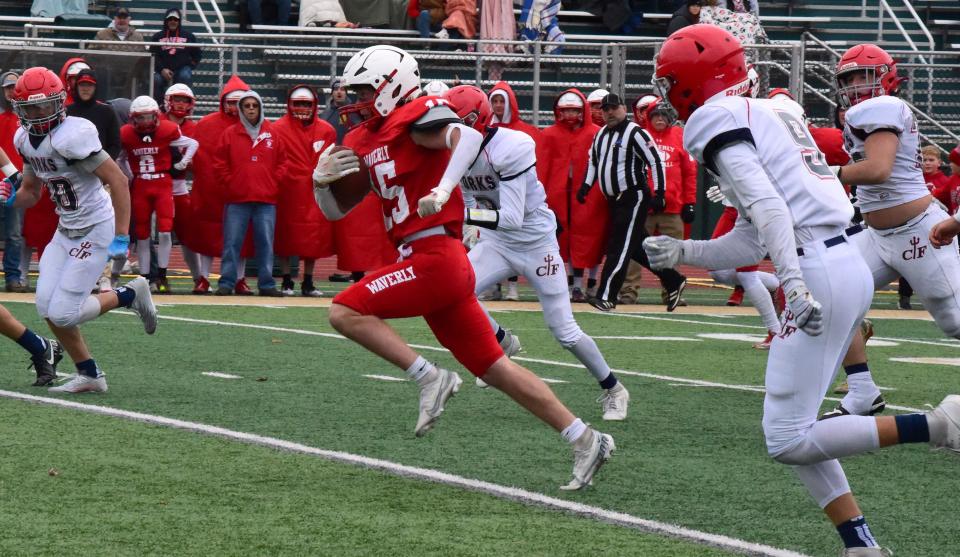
40, 115
853, 89
180, 106
145, 122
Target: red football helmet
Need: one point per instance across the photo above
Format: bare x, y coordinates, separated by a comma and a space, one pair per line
880, 72
302, 103
144, 115
38, 100
179, 100
471, 104
640, 108
697, 63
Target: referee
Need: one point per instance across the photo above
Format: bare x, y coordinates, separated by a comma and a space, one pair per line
620, 155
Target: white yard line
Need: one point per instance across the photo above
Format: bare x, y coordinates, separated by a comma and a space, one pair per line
385, 378
495, 490
668, 339
221, 375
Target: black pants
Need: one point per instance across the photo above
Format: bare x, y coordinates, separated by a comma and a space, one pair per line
628, 213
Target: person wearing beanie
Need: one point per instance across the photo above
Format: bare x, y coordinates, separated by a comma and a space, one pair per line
687, 14
173, 63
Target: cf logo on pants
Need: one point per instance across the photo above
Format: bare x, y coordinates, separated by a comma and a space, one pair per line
916, 252
82, 252
549, 268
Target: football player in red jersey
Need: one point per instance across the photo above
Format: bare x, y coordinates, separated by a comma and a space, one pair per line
417, 150
147, 141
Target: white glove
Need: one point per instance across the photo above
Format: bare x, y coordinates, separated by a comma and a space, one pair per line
807, 312
663, 251
333, 166
715, 195
182, 165
471, 234
431, 203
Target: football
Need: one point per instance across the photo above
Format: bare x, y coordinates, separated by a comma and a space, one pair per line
350, 190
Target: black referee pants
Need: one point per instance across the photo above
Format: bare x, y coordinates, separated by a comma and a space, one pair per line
628, 213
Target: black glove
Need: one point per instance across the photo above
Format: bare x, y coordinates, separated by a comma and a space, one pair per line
687, 214
658, 203
582, 194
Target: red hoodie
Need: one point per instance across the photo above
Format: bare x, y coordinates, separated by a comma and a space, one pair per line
206, 197
512, 120
681, 187
63, 78
562, 157
302, 230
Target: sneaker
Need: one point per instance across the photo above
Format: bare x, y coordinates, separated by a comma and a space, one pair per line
904, 303
614, 403
143, 305
224, 291
201, 286
311, 292
46, 364
287, 288
602, 305
512, 294
82, 384
15, 286
270, 293
949, 414
673, 295
577, 295
765, 343
866, 552
850, 407
590, 452
163, 286
242, 289
104, 285
433, 396
736, 298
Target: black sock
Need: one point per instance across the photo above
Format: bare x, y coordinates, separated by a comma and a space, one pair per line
356, 276
912, 428
856, 533
32, 342
88, 368
162, 272
500, 334
591, 282
610, 382
126, 296
307, 281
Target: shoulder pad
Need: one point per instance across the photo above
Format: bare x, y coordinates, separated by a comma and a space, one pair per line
879, 113
75, 139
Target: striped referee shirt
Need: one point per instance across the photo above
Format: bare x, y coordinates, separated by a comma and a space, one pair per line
620, 156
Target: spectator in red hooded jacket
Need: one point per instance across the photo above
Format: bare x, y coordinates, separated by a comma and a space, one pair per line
302, 230
932, 174
563, 155
206, 197
506, 111
251, 164
68, 75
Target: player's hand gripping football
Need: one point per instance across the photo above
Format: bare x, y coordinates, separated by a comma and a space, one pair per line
663, 251
333, 166
715, 195
118, 247
807, 312
944, 232
431, 203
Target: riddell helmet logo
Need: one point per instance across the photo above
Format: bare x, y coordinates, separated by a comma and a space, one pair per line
738, 89
849, 65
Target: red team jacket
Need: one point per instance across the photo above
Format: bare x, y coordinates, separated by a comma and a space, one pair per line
251, 170
398, 173
562, 158
302, 230
681, 187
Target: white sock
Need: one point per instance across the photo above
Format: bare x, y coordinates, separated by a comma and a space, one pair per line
206, 263
758, 295
574, 431
143, 255
164, 249
419, 369
192, 260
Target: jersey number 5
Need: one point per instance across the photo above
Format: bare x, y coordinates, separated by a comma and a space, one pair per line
813, 159
61, 191
386, 171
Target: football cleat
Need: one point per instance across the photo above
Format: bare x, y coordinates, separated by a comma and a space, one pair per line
82, 384
866, 329
201, 286
877, 406
673, 295
577, 295
602, 305
614, 403
104, 285
433, 395
590, 452
866, 552
949, 414
242, 289
46, 364
143, 304
736, 297
512, 294
287, 288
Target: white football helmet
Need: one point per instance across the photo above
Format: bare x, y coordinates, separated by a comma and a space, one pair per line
392, 72
597, 96
144, 114
179, 109
435, 88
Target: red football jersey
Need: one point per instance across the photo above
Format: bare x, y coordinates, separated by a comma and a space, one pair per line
149, 154
402, 172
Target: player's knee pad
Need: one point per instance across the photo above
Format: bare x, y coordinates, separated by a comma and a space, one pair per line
801, 453
725, 276
64, 314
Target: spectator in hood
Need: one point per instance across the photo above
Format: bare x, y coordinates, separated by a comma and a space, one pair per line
86, 105
688, 14
338, 99
173, 63
120, 31
68, 75
250, 164
506, 112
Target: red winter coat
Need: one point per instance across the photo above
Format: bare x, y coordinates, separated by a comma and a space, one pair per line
302, 230
949, 193
512, 113
206, 197
251, 170
562, 158
681, 186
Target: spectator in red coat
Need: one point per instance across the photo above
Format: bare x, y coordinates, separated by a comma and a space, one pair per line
251, 164
932, 174
206, 197
563, 155
949, 191
506, 112
302, 230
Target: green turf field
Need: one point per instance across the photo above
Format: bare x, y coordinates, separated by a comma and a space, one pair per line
689, 454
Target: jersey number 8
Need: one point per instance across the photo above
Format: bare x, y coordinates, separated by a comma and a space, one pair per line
62, 193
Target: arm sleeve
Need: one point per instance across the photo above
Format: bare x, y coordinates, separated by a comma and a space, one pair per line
191, 144
740, 164
436, 117
328, 204
92, 162
738, 248
591, 175
658, 170
466, 151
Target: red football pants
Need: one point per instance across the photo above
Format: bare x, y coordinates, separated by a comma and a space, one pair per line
435, 282
147, 197
725, 224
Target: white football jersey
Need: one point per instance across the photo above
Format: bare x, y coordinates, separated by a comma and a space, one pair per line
79, 194
790, 158
906, 182
504, 178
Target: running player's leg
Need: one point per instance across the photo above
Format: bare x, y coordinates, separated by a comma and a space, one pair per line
163, 206
490, 267
759, 296
45, 353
